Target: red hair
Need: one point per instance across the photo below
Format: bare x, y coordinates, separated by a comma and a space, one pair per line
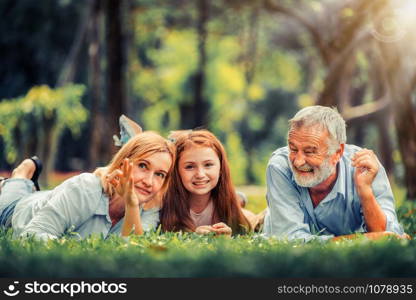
175, 213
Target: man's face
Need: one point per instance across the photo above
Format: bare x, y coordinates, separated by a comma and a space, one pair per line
308, 155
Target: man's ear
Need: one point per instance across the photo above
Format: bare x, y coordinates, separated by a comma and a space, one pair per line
339, 153
128, 129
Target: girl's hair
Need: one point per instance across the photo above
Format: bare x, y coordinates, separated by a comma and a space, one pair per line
175, 213
140, 146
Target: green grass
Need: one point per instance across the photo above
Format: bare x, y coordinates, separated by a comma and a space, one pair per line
191, 255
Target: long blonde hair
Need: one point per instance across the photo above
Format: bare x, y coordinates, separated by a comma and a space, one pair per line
140, 146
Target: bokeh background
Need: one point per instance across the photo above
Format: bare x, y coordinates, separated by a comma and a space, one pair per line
240, 68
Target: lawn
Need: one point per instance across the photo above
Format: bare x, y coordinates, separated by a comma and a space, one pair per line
190, 255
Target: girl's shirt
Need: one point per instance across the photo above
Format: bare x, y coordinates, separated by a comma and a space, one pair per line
205, 216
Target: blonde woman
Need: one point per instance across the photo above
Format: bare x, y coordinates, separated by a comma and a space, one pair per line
110, 200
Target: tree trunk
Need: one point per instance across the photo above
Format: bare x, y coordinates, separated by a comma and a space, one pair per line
200, 106
115, 62
406, 129
97, 137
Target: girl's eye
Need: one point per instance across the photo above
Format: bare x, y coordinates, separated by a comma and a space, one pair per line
189, 167
161, 175
142, 166
209, 165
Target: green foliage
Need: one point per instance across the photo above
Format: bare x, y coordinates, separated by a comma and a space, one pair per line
407, 215
237, 158
163, 78
62, 106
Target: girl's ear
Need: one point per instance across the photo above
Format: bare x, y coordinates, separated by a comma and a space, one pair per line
128, 129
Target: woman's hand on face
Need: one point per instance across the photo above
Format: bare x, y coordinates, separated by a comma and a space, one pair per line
122, 181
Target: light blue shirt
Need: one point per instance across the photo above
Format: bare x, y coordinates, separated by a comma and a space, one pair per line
291, 215
77, 205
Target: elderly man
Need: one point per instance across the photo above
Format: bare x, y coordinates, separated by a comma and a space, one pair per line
318, 187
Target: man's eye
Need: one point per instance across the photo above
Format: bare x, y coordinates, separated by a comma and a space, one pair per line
293, 150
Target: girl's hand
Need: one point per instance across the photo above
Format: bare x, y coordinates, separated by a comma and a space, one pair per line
204, 229
122, 181
222, 229
218, 229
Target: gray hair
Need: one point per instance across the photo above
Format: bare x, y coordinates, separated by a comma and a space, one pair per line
326, 117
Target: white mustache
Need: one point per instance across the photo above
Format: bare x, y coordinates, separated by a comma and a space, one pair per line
305, 168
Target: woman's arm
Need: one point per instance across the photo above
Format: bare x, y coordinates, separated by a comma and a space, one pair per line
122, 180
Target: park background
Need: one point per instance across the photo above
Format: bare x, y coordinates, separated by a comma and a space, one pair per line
70, 68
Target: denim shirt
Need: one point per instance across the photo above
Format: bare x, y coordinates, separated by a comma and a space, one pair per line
77, 205
291, 215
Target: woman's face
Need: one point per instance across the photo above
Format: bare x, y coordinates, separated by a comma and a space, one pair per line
149, 174
199, 168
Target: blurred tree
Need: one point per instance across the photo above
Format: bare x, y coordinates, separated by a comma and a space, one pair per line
49, 112
350, 31
98, 140
116, 59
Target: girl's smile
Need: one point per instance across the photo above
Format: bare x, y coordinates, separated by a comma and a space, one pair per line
199, 169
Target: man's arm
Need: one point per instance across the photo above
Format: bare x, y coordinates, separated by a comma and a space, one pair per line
285, 217
375, 194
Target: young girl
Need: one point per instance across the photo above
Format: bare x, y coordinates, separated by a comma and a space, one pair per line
92, 203
201, 196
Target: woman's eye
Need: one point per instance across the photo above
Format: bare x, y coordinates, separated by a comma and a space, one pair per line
188, 167
209, 165
161, 175
142, 165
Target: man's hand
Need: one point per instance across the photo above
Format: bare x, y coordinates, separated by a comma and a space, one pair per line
122, 181
218, 229
371, 236
366, 168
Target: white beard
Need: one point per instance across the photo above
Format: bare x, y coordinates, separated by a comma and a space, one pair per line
316, 177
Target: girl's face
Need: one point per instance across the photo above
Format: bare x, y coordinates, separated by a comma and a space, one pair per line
199, 168
149, 174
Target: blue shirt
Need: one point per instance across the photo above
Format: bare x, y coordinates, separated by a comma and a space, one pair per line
291, 214
77, 205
